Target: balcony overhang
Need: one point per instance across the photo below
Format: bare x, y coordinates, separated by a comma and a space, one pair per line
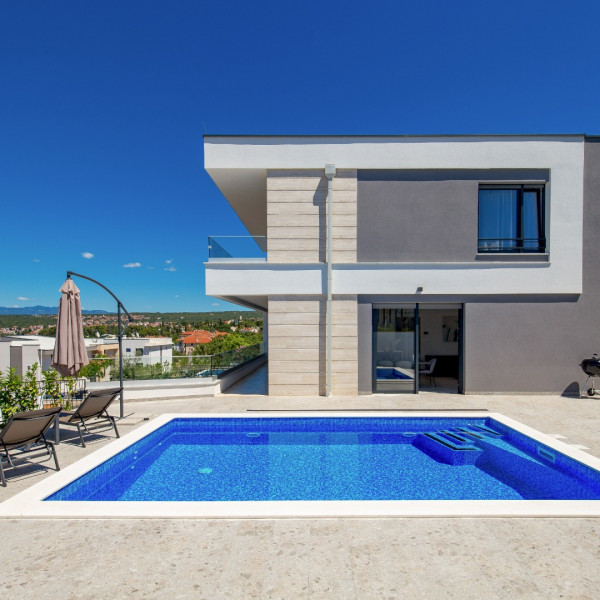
253, 302
243, 280
246, 192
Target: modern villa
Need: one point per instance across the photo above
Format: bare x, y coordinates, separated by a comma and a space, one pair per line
375, 255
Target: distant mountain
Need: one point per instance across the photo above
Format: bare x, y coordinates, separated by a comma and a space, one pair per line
42, 310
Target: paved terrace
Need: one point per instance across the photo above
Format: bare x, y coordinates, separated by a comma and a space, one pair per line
346, 559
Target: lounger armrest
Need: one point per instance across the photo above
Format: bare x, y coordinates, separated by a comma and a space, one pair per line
66, 416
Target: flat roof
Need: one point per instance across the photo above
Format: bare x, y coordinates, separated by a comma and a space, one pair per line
391, 135
238, 164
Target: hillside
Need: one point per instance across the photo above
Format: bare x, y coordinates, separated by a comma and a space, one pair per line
41, 310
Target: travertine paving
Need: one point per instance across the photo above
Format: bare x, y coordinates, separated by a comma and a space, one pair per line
349, 559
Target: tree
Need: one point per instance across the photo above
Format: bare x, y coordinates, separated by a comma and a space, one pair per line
225, 343
96, 368
49, 331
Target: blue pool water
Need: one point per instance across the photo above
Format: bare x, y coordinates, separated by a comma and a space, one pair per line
316, 458
391, 373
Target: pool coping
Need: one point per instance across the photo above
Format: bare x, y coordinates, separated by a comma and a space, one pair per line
29, 503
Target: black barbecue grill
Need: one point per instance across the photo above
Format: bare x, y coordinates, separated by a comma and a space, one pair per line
591, 367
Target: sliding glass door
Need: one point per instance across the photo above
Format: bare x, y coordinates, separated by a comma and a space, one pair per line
395, 349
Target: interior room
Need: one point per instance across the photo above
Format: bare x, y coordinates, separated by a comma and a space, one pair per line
439, 340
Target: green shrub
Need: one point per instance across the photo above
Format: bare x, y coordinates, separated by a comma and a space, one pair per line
28, 397
96, 368
18, 392
52, 387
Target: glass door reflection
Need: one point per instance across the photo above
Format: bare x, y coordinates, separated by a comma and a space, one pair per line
394, 350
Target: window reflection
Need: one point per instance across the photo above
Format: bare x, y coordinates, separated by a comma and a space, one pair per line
511, 219
394, 349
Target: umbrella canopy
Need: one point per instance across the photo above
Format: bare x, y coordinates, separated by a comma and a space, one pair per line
69, 349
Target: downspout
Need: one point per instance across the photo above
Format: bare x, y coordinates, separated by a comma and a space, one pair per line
330, 174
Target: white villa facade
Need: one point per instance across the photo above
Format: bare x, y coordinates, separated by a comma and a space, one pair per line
478, 251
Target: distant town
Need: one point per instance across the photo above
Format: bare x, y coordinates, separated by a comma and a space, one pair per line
154, 345
187, 329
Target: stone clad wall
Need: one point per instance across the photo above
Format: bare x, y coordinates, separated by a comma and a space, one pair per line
344, 346
297, 233
296, 216
296, 345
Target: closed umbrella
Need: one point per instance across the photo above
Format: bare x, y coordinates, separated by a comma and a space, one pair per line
69, 349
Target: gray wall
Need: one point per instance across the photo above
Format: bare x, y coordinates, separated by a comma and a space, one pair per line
365, 347
529, 347
520, 344
591, 219
432, 332
421, 216
23, 355
537, 346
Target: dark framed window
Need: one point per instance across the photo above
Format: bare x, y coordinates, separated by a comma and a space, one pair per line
511, 218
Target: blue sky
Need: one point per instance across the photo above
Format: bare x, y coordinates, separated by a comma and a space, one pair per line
103, 106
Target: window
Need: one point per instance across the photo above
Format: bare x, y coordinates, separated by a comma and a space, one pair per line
511, 219
139, 352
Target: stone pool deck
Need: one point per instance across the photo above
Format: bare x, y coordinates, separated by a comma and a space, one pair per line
383, 559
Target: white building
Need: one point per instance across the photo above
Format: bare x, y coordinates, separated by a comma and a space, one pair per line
151, 351
19, 352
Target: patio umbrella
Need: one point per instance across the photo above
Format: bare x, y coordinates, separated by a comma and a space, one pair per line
69, 349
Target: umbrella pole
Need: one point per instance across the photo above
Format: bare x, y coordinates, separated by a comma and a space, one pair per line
119, 307
121, 409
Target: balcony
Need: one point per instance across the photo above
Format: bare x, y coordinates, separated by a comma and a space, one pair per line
237, 248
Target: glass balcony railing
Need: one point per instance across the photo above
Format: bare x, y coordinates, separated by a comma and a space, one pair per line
173, 367
249, 248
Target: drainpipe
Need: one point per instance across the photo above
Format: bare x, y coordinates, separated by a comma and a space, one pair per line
330, 174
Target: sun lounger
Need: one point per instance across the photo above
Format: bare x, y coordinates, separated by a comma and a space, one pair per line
25, 429
94, 406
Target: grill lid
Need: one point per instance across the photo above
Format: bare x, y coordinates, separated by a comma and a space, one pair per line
591, 366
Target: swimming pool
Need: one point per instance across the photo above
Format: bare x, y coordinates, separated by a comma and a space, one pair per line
307, 465
315, 458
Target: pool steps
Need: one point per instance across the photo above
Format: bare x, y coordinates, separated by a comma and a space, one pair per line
481, 446
447, 449
460, 445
